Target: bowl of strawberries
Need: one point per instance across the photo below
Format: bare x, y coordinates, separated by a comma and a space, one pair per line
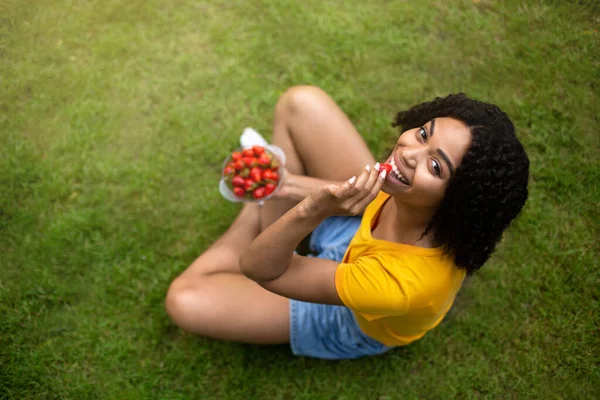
252, 173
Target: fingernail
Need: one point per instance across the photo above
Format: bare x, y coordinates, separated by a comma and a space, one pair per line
351, 180
383, 173
368, 167
377, 166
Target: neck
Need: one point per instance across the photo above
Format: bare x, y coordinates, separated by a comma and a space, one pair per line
410, 222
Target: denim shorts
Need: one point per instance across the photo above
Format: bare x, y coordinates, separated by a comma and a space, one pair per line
328, 331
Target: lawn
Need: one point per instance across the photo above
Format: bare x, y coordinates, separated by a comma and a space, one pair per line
115, 117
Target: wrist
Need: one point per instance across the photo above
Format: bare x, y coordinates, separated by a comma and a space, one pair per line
299, 187
309, 210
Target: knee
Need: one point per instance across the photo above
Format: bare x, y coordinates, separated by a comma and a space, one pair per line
177, 301
184, 305
297, 99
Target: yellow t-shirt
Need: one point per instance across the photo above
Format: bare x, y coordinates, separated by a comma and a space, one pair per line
397, 292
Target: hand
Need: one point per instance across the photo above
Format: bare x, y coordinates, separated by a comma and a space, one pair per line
351, 198
297, 187
287, 189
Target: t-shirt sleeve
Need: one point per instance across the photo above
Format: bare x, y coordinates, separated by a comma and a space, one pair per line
369, 287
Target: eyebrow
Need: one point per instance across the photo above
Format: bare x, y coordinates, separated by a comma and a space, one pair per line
440, 151
445, 157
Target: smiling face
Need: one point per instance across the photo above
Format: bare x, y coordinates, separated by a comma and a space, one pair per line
424, 159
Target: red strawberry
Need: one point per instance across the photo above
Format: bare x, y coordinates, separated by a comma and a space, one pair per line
238, 191
270, 188
247, 153
238, 165
256, 174
268, 174
258, 150
249, 161
238, 181
275, 176
386, 167
228, 170
264, 160
259, 193
248, 183
236, 155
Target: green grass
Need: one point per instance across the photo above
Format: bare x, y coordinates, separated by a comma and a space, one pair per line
115, 117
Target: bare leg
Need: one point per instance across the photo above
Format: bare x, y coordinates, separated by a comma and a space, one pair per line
211, 297
318, 140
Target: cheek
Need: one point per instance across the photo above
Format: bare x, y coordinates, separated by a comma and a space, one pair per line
407, 138
432, 188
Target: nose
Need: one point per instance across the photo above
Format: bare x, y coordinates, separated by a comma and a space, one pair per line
410, 156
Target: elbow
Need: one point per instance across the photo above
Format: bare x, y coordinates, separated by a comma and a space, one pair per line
251, 271
246, 267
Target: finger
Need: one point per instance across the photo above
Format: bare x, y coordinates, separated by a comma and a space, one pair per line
282, 193
332, 189
365, 188
381, 175
360, 182
373, 179
341, 191
372, 193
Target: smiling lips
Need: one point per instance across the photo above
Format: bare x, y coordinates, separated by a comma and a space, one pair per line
397, 174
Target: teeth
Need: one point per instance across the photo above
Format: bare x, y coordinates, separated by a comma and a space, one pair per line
397, 171
394, 167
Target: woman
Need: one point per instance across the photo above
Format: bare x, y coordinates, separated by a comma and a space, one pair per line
379, 280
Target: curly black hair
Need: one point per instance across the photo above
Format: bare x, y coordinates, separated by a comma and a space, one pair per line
489, 187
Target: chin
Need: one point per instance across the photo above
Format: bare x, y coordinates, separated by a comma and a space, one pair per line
393, 193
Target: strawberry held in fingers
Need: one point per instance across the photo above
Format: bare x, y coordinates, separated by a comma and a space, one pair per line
385, 167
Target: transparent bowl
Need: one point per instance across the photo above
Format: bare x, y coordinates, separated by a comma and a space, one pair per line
226, 186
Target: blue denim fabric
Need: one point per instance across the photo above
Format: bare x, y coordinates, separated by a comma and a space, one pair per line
327, 331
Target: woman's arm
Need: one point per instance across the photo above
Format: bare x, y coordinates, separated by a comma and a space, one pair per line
298, 187
270, 260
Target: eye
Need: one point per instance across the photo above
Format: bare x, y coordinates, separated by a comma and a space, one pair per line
436, 167
423, 133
